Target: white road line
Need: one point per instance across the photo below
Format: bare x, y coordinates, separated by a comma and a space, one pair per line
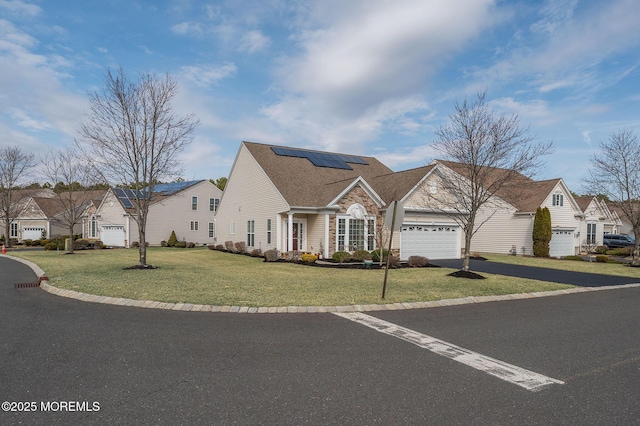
502, 370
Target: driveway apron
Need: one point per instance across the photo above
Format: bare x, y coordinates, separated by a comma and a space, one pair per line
543, 274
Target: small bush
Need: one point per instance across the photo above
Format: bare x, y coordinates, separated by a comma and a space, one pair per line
600, 250
98, 245
220, 247
27, 242
309, 258
418, 261
271, 255
51, 246
293, 256
621, 251
80, 244
360, 255
394, 261
341, 256
602, 258
241, 247
180, 244
256, 253
211, 247
578, 258
135, 244
229, 246
37, 243
171, 242
377, 257
163, 243
191, 245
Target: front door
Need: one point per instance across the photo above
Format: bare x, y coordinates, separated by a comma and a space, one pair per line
297, 236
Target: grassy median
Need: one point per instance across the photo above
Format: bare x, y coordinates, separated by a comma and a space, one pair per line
216, 278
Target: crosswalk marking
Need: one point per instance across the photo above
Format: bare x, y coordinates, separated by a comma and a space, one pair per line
519, 376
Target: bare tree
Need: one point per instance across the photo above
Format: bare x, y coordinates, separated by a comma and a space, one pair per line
14, 166
131, 134
74, 187
491, 152
615, 173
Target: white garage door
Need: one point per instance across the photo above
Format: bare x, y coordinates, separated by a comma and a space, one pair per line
32, 233
561, 244
112, 235
433, 242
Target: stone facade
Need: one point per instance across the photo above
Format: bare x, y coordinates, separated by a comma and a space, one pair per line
357, 195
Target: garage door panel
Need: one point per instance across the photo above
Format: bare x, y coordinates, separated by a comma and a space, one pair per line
433, 242
112, 235
561, 243
32, 233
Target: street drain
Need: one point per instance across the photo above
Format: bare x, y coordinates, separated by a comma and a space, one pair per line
27, 285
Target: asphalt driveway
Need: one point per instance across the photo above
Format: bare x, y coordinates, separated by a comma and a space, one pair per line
543, 274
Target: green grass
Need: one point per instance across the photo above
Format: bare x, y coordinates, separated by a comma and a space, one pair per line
593, 267
216, 278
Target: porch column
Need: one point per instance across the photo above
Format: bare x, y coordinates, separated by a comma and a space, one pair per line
326, 236
279, 232
290, 231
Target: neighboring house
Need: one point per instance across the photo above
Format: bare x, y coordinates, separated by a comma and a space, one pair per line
188, 208
20, 199
48, 216
511, 226
300, 200
624, 225
596, 220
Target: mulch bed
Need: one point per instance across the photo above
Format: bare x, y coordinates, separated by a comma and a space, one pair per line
466, 274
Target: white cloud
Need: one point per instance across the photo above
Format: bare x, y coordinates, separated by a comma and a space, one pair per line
187, 28
205, 76
20, 7
363, 65
254, 41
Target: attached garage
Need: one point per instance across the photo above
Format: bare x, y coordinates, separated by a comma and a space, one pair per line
430, 241
32, 233
561, 243
112, 235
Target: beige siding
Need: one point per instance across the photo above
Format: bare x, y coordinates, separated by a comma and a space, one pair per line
593, 214
175, 213
315, 233
249, 195
111, 212
502, 231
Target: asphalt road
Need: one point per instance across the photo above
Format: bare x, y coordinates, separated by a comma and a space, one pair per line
147, 366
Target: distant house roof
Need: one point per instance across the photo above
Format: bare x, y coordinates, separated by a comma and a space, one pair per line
311, 181
584, 201
171, 188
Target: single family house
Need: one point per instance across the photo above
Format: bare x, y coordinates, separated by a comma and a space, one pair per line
186, 208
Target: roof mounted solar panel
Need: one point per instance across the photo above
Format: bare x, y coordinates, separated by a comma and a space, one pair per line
321, 159
126, 203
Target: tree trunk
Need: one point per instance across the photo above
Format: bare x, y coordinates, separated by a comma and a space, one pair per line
7, 232
143, 248
635, 261
70, 240
467, 250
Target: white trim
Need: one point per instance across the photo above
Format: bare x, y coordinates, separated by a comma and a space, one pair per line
365, 186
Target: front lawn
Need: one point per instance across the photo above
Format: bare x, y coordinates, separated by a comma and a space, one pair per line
209, 277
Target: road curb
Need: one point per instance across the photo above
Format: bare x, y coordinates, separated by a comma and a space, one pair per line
189, 307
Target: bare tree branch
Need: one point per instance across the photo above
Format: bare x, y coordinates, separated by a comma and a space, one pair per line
77, 180
489, 154
131, 134
615, 173
14, 166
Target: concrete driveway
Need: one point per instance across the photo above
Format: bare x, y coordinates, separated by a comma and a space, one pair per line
543, 274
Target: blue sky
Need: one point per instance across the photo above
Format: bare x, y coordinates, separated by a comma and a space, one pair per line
360, 76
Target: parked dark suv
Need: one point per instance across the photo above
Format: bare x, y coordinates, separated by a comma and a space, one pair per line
615, 241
